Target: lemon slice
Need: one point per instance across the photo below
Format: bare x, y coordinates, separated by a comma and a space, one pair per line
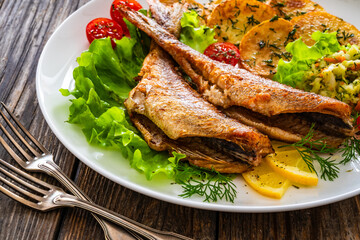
288, 163
266, 181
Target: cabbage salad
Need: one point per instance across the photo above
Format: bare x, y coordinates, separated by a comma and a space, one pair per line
326, 68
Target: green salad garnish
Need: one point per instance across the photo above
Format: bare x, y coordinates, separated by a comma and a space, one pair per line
308, 70
292, 73
195, 35
106, 75
103, 80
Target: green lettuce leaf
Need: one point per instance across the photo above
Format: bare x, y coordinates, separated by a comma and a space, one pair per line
197, 36
103, 79
110, 127
292, 73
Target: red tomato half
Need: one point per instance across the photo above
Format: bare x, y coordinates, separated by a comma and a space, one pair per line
223, 52
103, 27
116, 15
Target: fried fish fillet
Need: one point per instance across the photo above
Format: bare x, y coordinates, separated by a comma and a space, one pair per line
172, 116
269, 106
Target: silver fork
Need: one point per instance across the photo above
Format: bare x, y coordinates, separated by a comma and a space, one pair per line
45, 197
43, 162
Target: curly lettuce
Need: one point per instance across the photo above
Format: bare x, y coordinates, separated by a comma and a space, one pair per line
103, 80
195, 35
292, 73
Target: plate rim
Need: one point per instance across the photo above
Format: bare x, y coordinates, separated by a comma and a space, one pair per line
151, 193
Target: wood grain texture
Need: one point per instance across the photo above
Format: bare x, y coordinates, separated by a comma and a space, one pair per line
25, 27
158, 214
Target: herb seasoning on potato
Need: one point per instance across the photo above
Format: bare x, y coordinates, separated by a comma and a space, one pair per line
232, 19
264, 45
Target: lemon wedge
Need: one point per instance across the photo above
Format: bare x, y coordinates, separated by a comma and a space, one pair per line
266, 181
288, 163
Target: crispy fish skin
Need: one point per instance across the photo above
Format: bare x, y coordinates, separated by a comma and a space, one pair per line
237, 86
291, 127
173, 116
172, 105
197, 154
225, 85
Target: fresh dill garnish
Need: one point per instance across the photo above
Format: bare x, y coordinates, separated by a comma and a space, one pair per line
351, 147
211, 185
309, 150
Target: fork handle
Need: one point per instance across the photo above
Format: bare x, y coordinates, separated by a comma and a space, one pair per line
145, 231
111, 231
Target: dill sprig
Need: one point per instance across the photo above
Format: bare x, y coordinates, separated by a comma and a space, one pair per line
211, 185
309, 150
351, 147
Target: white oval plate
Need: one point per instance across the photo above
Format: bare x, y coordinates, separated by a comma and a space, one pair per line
54, 71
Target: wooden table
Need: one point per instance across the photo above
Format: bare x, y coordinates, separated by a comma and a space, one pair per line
25, 27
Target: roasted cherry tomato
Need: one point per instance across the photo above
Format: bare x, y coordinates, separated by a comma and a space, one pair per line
103, 27
116, 15
223, 52
358, 122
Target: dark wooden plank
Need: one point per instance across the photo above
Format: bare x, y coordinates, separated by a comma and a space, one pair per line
26, 25
157, 214
335, 221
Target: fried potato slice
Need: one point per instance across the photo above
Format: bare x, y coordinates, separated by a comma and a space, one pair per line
197, 7
288, 9
264, 45
232, 19
323, 21
210, 5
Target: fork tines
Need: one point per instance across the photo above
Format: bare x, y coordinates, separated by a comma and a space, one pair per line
25, 151
17, 188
